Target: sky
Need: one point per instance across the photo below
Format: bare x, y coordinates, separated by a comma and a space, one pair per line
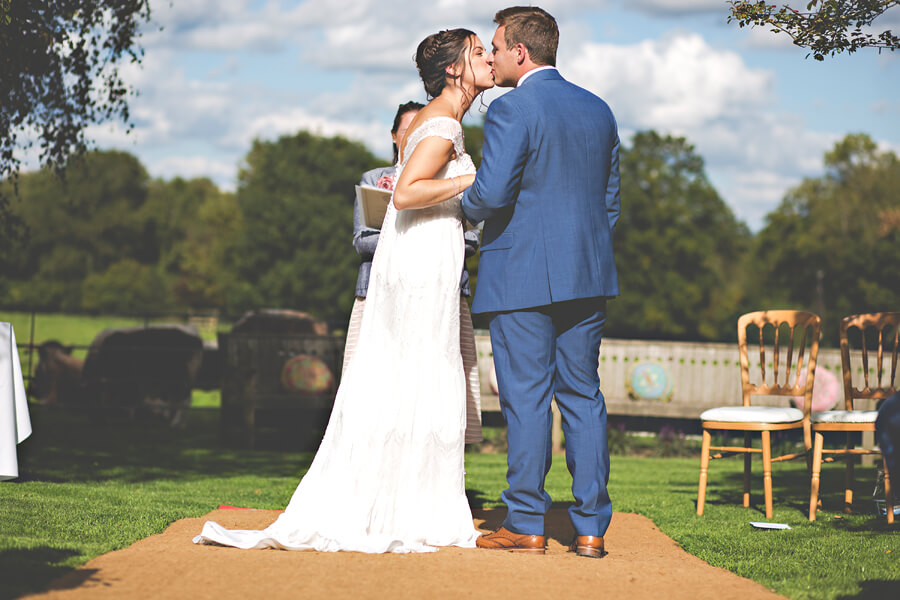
218, 74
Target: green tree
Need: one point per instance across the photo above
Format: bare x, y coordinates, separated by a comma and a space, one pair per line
79, 226
474, 136
196, 226
833, 245
829, 26
126, 285
295, 250
59, 73
677, 244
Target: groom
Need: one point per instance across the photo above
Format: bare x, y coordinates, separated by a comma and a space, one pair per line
548, 193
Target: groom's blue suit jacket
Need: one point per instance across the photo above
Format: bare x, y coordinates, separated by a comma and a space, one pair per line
548, 193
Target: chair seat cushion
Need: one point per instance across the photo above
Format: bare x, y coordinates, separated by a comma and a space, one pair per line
844, 416
752, 414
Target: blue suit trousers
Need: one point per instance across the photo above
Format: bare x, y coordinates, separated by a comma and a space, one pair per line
539, 353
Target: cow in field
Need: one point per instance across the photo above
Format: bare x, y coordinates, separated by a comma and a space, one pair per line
144, 371
140, 372
57, 376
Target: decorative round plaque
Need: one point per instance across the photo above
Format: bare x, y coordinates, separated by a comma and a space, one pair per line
650, 381
307, 375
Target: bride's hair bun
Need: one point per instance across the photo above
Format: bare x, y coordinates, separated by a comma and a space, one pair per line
437, 52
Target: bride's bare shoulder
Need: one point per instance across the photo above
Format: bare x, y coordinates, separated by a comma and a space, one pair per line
429, 113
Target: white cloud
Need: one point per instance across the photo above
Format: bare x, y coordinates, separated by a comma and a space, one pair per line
350, 34
672, 7
387, 48
222, 172
677, 83
683, 86
230, 36
754, 162
777, 142
752, 193
183, 15
888, 147
28, 149
357, 28
205, 24
272, 125
172, 104
112, 135
763, 38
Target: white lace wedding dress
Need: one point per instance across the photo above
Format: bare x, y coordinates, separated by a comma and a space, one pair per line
388, 475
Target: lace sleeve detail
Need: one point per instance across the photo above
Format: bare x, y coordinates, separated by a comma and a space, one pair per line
444, 127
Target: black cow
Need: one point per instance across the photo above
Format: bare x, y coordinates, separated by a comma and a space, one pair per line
144, 371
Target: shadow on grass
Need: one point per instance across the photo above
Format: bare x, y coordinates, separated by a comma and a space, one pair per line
478, 500
875, 589
27, 570
874, 524
791, 489
68, 447
557, 525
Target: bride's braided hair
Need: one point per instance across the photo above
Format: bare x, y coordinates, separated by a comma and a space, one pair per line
437, 52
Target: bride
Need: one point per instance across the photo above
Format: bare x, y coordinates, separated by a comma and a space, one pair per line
388, 475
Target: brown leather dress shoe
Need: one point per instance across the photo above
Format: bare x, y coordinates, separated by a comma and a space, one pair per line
588, 545
504, 539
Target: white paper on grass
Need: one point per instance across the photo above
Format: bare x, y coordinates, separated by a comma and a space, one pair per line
762, 525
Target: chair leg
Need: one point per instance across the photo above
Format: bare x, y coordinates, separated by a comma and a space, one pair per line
704, 468
888, 495
767, 471
814, 479
807, 445
747, 463
848, 482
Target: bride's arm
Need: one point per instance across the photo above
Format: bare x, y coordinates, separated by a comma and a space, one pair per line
417, 187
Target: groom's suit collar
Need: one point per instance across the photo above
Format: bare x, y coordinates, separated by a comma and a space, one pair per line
544, 72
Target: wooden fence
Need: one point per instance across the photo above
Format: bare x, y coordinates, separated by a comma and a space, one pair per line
704, 375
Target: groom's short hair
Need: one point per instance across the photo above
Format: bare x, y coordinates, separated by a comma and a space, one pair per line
533, 27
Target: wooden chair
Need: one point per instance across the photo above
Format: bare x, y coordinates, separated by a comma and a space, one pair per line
787, 380
852, 420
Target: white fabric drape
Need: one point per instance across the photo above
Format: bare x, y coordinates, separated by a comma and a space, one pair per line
15, 423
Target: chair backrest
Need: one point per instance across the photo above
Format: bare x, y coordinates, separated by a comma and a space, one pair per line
887, 327
793, 365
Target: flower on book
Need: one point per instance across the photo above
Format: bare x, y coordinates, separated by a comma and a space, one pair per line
385, 182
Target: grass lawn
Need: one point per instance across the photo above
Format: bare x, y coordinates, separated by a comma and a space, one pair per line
87, 489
